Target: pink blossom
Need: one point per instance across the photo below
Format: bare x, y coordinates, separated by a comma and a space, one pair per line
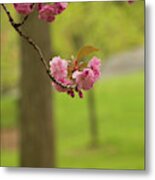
39, 6
46, 13
95, 65
24, 8
80, 79
58, 68
84, 79
64, 82
60, 7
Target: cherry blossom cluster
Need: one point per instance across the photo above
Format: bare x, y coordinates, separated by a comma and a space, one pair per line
78, 74
68, 76
47, 12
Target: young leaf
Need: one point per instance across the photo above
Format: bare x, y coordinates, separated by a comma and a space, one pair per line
86, 50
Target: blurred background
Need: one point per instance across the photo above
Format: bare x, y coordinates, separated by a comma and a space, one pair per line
105, 129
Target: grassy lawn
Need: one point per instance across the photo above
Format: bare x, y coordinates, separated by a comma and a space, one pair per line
9, 111
120, 112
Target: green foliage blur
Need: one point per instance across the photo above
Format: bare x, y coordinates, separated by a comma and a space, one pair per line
110, 26
113, 27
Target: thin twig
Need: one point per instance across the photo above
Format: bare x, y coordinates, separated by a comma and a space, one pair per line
24, 20
35, 46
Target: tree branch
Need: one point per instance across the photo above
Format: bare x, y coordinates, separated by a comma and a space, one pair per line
34, 45
24, 19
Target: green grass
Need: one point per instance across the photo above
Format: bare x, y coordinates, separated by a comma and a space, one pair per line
120, 111
9, 111
9, 158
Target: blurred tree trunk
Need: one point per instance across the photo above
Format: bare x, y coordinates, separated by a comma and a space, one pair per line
37, 126
77, 42
92, 118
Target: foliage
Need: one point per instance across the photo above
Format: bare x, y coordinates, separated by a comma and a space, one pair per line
112, 27
105, 25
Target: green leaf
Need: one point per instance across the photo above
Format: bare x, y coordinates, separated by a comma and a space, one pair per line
86, 50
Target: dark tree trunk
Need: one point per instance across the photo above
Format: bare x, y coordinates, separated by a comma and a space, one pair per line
37, 126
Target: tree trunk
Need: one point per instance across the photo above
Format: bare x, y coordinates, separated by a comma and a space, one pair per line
37, 126
77, 42
93, 118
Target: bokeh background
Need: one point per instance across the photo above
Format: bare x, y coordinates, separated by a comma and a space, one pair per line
117, 29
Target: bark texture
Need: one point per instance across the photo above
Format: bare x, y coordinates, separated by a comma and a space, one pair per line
36, 117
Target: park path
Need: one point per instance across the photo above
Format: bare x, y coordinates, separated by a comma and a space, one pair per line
123, 63
127, 62
9, 139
